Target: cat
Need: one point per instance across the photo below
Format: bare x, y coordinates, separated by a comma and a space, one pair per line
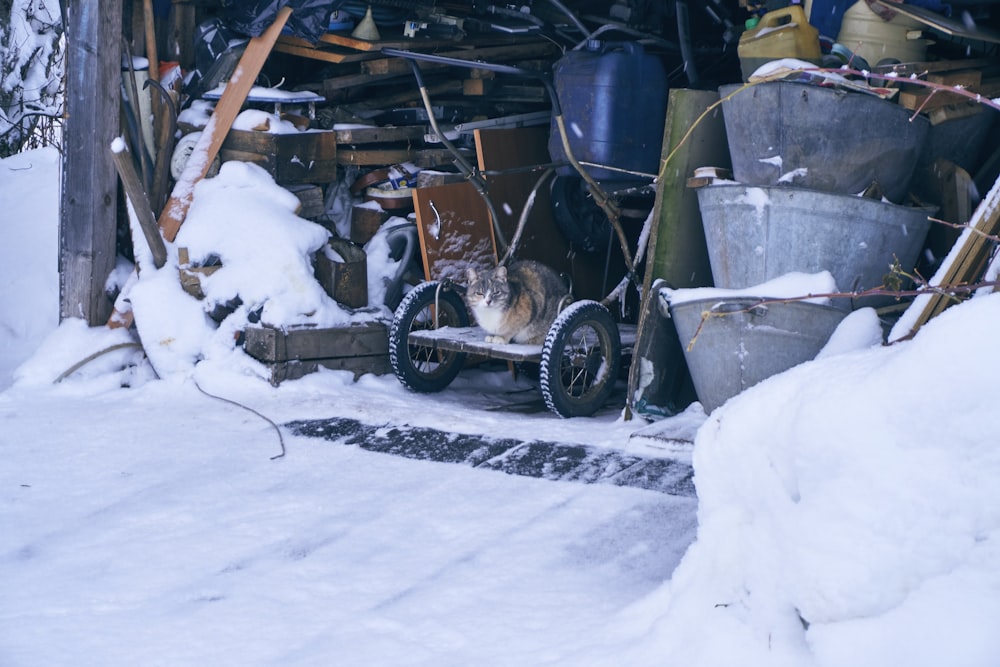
516, 303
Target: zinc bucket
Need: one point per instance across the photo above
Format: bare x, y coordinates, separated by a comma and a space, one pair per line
614, 103
821, 138
756, 234
731, 344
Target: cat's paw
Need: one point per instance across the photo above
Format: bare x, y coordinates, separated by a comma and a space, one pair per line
496, 339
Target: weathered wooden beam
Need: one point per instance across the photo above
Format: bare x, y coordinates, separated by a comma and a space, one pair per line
136, 192
89, 198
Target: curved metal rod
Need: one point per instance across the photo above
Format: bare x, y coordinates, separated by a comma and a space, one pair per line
525, 211
470, 172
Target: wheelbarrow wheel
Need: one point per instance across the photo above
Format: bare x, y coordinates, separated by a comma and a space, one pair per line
581, 358
421, 367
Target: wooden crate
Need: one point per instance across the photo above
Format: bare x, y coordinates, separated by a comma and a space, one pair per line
345, 281
294, 157
292, 353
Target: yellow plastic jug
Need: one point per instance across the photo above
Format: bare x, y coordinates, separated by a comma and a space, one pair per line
783, 33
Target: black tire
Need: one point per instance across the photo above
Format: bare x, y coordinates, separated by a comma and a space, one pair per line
421, 367
581, 359
580, 219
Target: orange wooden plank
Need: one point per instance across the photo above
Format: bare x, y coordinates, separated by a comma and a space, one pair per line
219, 124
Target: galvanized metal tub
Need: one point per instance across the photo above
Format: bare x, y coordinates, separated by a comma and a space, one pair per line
822, 138
742, 342
756, 234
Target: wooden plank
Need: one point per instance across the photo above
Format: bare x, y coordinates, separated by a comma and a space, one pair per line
455, 232
377, 364
89, 193
494, 54
411, 93
290, 45
379, 135
966, 78
218, 126
906, 69
927, 100
678, 253
428, 157
308, 343
136, 193
964, 264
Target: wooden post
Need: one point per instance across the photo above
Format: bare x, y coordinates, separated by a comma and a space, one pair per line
89, 196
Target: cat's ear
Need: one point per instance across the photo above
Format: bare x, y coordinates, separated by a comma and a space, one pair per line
470, 273
501, 272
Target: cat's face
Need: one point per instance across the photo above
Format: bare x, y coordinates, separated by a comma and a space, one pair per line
488, 288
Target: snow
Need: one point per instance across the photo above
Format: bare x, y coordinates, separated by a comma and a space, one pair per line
847, 510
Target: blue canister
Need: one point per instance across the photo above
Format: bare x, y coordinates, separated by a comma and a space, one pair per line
614, 101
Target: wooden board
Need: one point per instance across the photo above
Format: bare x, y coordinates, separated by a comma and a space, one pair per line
454, 229
299, 47
678, 253
926, 99
379, 135
505, 53
964, 264
423, 158
511, 149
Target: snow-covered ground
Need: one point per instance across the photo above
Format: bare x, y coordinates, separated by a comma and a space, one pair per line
847, 514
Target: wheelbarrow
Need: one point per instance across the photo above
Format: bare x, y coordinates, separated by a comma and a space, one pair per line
432, 334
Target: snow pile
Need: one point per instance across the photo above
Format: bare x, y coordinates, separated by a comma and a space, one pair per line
849, 512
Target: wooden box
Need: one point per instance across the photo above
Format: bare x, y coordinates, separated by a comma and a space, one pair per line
294, 157
345, 281
292, 353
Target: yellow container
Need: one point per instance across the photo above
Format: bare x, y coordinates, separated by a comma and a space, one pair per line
870, 36
783, 33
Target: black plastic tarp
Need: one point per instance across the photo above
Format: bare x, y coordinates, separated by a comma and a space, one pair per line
309, 19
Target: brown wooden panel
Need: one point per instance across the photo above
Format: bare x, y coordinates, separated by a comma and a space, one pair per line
499, 149
455, 231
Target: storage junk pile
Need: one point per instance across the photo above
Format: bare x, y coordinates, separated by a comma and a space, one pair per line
821, 175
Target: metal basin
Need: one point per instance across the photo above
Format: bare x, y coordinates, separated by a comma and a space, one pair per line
839, 141
740, 344
756, 234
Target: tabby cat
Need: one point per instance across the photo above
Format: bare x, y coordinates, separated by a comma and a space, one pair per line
516, 303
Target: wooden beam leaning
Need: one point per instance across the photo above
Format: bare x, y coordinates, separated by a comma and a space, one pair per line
963, 265
136, 194
219, 124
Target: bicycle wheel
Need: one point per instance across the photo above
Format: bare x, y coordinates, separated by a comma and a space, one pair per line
419, 367
581, 358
